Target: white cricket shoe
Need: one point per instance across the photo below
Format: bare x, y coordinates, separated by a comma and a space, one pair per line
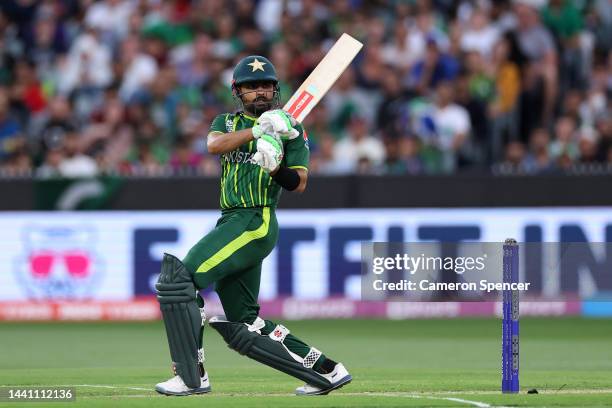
338, 378
176, 386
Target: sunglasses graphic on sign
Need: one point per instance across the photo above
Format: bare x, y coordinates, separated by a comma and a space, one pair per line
77, 263
58, 263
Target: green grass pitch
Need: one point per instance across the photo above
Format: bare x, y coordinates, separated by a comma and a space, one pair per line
394, 363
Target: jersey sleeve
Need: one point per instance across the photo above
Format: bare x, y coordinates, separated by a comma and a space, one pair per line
297, 152
218, 124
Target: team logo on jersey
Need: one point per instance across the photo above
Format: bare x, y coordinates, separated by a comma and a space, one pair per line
58, 263
229, 125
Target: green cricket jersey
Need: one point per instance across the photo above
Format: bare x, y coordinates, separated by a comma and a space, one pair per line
244, 184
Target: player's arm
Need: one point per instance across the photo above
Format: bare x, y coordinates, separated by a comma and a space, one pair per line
220, 142
274, 122
292, 179
292, 174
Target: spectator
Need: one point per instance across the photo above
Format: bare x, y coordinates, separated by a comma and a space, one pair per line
51, 164
184, 160
410, 151
602, 24
191, 63
423, 33
88, 64
393, 163
356, 145
538, 159
162, 99
322, 160
402, 156
49, 40
391, 116
11, 137
480, 77
138, 81
28, 89
451, 124
564, 20
112, 137
346, 99
137, 69
434, 67
541, 74
48, 133
587, 145
149, 154
502, 109
17, 164
226, 44
110, 18
515, 156
603, 125
74, 162
397, 52
565, 143
480, 36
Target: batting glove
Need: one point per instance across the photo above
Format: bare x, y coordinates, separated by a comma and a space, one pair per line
278, 123
269, 153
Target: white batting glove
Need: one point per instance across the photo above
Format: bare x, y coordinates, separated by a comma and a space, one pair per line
278, 123
269, 153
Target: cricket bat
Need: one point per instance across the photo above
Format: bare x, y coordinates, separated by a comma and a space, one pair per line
323, 77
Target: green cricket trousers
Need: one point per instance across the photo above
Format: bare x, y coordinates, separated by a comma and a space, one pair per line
230, 257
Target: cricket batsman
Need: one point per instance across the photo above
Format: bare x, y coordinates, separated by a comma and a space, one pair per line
262, 150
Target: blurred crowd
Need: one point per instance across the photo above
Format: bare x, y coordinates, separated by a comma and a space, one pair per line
441, 86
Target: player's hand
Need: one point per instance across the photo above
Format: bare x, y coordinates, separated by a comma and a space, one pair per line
293, 133
269, 153
277, 123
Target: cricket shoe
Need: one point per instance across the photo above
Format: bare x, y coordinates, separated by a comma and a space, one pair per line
176, 386
338, 378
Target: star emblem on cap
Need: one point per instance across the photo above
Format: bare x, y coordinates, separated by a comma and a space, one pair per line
257, 64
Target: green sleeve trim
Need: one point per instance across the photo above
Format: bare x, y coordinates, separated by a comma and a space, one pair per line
299, 167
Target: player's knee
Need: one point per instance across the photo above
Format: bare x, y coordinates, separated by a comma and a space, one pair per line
173, 271
175, 283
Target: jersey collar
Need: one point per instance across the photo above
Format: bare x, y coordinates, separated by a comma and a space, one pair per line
248, 116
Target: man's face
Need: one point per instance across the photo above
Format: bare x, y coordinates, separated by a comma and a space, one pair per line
257, 97
444, 94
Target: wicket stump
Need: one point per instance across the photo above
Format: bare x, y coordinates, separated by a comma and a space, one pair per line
510, 326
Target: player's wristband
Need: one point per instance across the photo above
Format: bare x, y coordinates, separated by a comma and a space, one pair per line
287, 178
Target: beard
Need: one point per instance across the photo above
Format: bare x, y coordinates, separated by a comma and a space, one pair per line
259, 106
260, 103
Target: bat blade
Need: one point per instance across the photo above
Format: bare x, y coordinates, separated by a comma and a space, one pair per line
323, 77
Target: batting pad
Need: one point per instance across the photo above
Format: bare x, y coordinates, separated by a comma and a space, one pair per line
183, 319
246, 340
